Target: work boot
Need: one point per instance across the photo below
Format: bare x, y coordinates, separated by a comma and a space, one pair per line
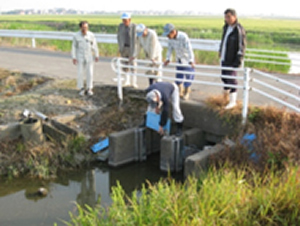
232, 100
82, 92
226, 95
187, 91
127, 82
179, 129
90, 92
181, 90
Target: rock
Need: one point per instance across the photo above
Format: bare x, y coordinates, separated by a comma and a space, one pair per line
42, 191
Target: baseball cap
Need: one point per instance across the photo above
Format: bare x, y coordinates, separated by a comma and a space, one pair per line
151, 98
168, 28
140, 28
126, 16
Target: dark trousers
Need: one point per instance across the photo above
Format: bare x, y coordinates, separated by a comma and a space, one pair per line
229, 81
183, 74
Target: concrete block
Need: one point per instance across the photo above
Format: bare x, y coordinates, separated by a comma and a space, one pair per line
66, 118
198, 115
127, 146
213, 138
198, 163
171, 153
152, 139
195, 138
64, 128
54, 134
10, 131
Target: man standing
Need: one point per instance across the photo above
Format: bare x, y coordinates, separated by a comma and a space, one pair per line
148, 40
83, 47
179, 41
158, 97
232, 51
127, 46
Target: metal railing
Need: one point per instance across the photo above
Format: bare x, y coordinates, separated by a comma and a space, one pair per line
252, 55
248, 83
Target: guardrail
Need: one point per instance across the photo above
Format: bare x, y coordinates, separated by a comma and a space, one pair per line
252, 55
118, 65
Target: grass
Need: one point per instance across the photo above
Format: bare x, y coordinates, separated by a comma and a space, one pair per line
222, 197
275, 34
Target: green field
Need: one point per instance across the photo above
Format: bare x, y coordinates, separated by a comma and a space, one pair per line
275, 34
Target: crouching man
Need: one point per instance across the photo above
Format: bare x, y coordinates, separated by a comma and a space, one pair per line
84, 46
159, 96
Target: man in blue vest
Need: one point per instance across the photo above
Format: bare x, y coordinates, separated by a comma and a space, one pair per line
159, 96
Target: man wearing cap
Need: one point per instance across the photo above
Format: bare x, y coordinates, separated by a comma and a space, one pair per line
148, 40
159, 95
84, 46
127, 46
179, 41
232, 51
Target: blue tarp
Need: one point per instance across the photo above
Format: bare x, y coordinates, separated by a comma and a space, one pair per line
247, 141
153, 122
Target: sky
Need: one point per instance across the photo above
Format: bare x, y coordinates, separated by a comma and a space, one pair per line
250, 7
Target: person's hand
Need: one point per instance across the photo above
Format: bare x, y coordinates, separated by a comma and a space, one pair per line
166, 63
157, 110
192, 64
161, 130
96, 59
153, 62
74, 61
131, 58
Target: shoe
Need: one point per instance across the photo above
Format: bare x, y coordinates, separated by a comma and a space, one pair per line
232, 101
82, 92
181, 90
90, 92
187, 92
179, 129
127, 82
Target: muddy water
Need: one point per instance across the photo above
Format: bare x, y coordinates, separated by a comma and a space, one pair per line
20, 206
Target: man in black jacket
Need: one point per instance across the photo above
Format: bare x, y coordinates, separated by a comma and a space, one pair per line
159, 96
232, 51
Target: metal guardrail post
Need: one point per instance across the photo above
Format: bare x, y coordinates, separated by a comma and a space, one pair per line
33, 43
246, 95
120, 88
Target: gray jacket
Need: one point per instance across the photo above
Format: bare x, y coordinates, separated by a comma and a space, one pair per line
133, 38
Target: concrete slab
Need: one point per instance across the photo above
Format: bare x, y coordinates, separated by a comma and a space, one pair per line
54, 134
195, 138
66, 118
10, 131
152, 139
64, 128
198, 163
171, 154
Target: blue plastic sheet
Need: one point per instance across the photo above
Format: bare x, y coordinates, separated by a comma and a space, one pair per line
153, 120
101, 145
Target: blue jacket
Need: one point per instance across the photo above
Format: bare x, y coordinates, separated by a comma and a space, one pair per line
166, 90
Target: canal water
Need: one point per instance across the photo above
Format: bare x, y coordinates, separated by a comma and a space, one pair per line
19, 205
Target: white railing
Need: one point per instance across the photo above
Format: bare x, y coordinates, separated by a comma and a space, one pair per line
118, 66
252, 55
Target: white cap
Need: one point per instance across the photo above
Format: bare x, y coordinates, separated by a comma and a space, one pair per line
126, 16
140, 28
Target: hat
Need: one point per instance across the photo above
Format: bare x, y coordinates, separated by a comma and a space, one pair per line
126, 16
168, 28
152, 100
140, 28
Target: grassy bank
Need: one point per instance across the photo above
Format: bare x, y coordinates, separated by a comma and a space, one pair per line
263, 33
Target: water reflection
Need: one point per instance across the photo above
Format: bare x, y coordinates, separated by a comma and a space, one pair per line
19, 205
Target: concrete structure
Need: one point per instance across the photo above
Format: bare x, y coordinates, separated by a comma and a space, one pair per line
194, 137
10, 131
127, 146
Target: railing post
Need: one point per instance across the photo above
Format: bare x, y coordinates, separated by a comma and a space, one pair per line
246, 95
33, 42
120, 88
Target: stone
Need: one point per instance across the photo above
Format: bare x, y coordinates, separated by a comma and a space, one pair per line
10, 131
197, 164
66, 118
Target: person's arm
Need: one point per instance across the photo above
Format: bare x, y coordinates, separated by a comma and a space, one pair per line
165, 112
95, 48
138, 49
221, 44
241, 46
189, 48
133, 40
169, 52
119, 38
73, 51
152, 43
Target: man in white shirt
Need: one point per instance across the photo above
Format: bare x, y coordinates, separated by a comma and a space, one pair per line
180, 42
148, 40
84, 48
